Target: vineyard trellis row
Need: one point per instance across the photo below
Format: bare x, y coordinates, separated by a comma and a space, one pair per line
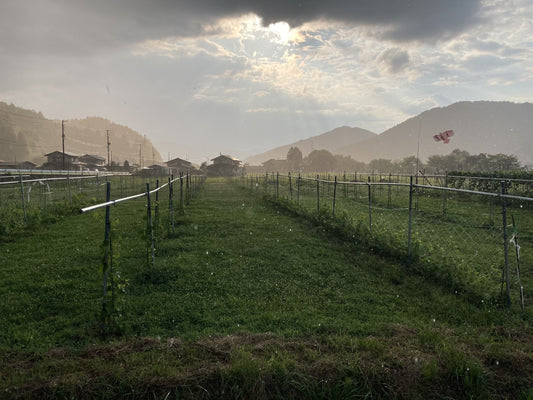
188, 185
25, 200
447, 233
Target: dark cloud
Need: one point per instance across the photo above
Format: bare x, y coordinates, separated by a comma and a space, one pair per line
78, 26
395, 60
404, 19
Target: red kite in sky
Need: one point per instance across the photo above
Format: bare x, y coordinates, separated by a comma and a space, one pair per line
444, 136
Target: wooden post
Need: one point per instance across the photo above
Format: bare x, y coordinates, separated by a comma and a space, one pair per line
277, 184
182, 209
150, 228
107, 306
156, 213
369, 204
290, 185
318, 194
505, 245
69, 193
409, 230
334, 194
390, 188
23, 200
171, 200
298, 189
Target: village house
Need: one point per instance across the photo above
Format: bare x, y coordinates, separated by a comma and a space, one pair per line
154, 170
178, 165
93, 162
224, 165
55, 161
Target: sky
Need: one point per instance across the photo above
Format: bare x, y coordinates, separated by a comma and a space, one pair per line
205, 77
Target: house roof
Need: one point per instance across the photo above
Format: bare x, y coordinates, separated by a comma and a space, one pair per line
60, 152
226, 156
178, 161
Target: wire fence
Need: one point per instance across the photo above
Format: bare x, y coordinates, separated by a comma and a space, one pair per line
188, 185
473, 241
26, 201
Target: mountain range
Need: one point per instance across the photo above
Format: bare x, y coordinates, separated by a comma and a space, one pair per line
479, 127
26, 135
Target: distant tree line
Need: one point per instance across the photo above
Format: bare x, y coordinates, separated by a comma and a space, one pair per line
458, 160
115, 167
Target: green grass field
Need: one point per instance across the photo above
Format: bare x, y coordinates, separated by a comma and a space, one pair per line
246, 301
457, 238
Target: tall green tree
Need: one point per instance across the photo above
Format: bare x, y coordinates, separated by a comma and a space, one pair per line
294, 159
408, 165
348, 164
320, 161
381, 165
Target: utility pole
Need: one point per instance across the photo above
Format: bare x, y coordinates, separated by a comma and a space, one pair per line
63, 142
108, 144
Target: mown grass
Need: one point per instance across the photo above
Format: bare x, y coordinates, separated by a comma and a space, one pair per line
246, 301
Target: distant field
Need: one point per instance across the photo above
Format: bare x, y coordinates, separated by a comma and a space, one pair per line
245, 301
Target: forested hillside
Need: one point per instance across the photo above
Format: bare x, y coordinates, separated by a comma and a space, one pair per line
29, 135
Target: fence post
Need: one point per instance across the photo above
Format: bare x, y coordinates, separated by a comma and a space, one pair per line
334, 194
266, 183
355, 186
170, 200
445, 195
182, 209
187, 188
69, 193
156, 213
369, 204
150, 228
390, 190
277, 184
505, 246
290, 185
318, 194
298, 189
417, 191
344, 184
107, 267
491, 217
23, 200
410, 220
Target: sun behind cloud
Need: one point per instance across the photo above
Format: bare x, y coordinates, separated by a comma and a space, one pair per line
282, 31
